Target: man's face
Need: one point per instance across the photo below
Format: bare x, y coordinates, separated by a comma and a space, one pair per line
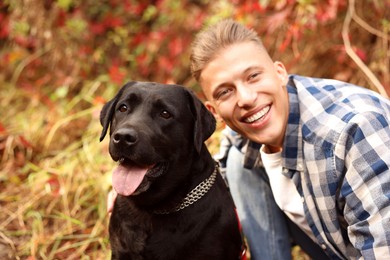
247, 90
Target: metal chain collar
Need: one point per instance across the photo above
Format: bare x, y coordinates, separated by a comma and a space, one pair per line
194, 195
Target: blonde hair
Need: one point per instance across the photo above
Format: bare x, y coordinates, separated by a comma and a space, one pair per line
208, 43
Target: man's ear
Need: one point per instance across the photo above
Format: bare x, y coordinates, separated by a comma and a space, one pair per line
205, 123
210, 107
281, 71
108, 110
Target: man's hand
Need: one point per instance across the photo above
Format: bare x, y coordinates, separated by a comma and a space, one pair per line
111, 200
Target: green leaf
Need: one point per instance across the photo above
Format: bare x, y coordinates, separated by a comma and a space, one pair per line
21, 27
64, 4
76, 25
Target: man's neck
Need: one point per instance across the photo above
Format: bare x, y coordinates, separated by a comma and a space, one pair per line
272, 149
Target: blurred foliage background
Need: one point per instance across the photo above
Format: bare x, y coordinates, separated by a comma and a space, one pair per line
61, 60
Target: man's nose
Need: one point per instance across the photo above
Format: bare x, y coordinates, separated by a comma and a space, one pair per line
246, 96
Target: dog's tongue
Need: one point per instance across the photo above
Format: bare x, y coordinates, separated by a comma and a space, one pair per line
126, 179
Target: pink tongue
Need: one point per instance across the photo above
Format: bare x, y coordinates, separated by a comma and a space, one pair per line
126, 179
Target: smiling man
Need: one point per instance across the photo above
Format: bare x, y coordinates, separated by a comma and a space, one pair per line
231, 82
325, 143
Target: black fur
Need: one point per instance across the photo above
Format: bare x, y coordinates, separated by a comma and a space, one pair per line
208, 229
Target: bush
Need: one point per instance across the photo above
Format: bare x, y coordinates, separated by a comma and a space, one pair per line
60, 60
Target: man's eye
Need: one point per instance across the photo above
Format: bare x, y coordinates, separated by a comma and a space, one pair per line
223, 93
165, 114
123, 108
253, 76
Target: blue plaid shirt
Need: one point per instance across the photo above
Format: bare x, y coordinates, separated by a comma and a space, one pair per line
337, 152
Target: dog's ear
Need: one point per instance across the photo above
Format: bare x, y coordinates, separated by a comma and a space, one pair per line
106, 116
205, 122
108, 110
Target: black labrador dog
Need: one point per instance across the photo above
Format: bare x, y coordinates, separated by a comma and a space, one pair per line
172, 202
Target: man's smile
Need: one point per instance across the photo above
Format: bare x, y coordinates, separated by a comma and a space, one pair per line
258, 116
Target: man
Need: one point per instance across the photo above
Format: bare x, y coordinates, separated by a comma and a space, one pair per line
325, 143
263, 223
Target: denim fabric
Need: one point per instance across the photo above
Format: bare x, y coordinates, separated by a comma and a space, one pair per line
263, 223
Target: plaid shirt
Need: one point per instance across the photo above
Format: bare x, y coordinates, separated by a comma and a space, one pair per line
337, 152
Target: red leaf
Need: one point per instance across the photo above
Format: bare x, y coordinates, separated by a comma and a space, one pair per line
55, 186
2, 129
97, 28
158, 36
61, 18
361, 53
328, 12
278, 19
24, 142
175, 47
142, 58
137, 39
4, 26
197, 23
116, 75
127, 5
165, 64
99, 100
111, 21
256, 6
85, 50
28, 42
113, 3
286, 42
137, 8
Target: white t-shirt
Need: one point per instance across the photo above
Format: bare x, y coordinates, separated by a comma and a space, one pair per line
284, 190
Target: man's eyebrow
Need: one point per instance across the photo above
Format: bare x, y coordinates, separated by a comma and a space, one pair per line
254, 67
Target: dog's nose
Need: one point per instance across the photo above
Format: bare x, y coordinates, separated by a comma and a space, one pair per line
125, 136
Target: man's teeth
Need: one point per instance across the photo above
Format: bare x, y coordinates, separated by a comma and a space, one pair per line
258, 115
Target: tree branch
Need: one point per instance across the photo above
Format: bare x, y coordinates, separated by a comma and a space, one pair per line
353, 55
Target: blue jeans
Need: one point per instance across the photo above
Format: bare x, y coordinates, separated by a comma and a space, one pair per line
262, 221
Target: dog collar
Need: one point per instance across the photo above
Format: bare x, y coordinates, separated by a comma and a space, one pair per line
194, 195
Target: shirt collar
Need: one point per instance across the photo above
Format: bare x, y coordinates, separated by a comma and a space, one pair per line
292, 147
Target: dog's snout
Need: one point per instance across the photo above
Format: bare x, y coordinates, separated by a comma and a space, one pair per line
126, 136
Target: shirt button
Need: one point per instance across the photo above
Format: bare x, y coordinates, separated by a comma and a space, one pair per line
303, 199
285, 170
323, 246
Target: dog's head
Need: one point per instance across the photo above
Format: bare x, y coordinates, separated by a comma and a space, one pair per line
153, 128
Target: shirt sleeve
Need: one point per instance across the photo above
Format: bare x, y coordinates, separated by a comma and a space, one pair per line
365, 190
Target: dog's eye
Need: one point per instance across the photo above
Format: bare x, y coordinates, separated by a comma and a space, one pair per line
165, 114
123, 108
